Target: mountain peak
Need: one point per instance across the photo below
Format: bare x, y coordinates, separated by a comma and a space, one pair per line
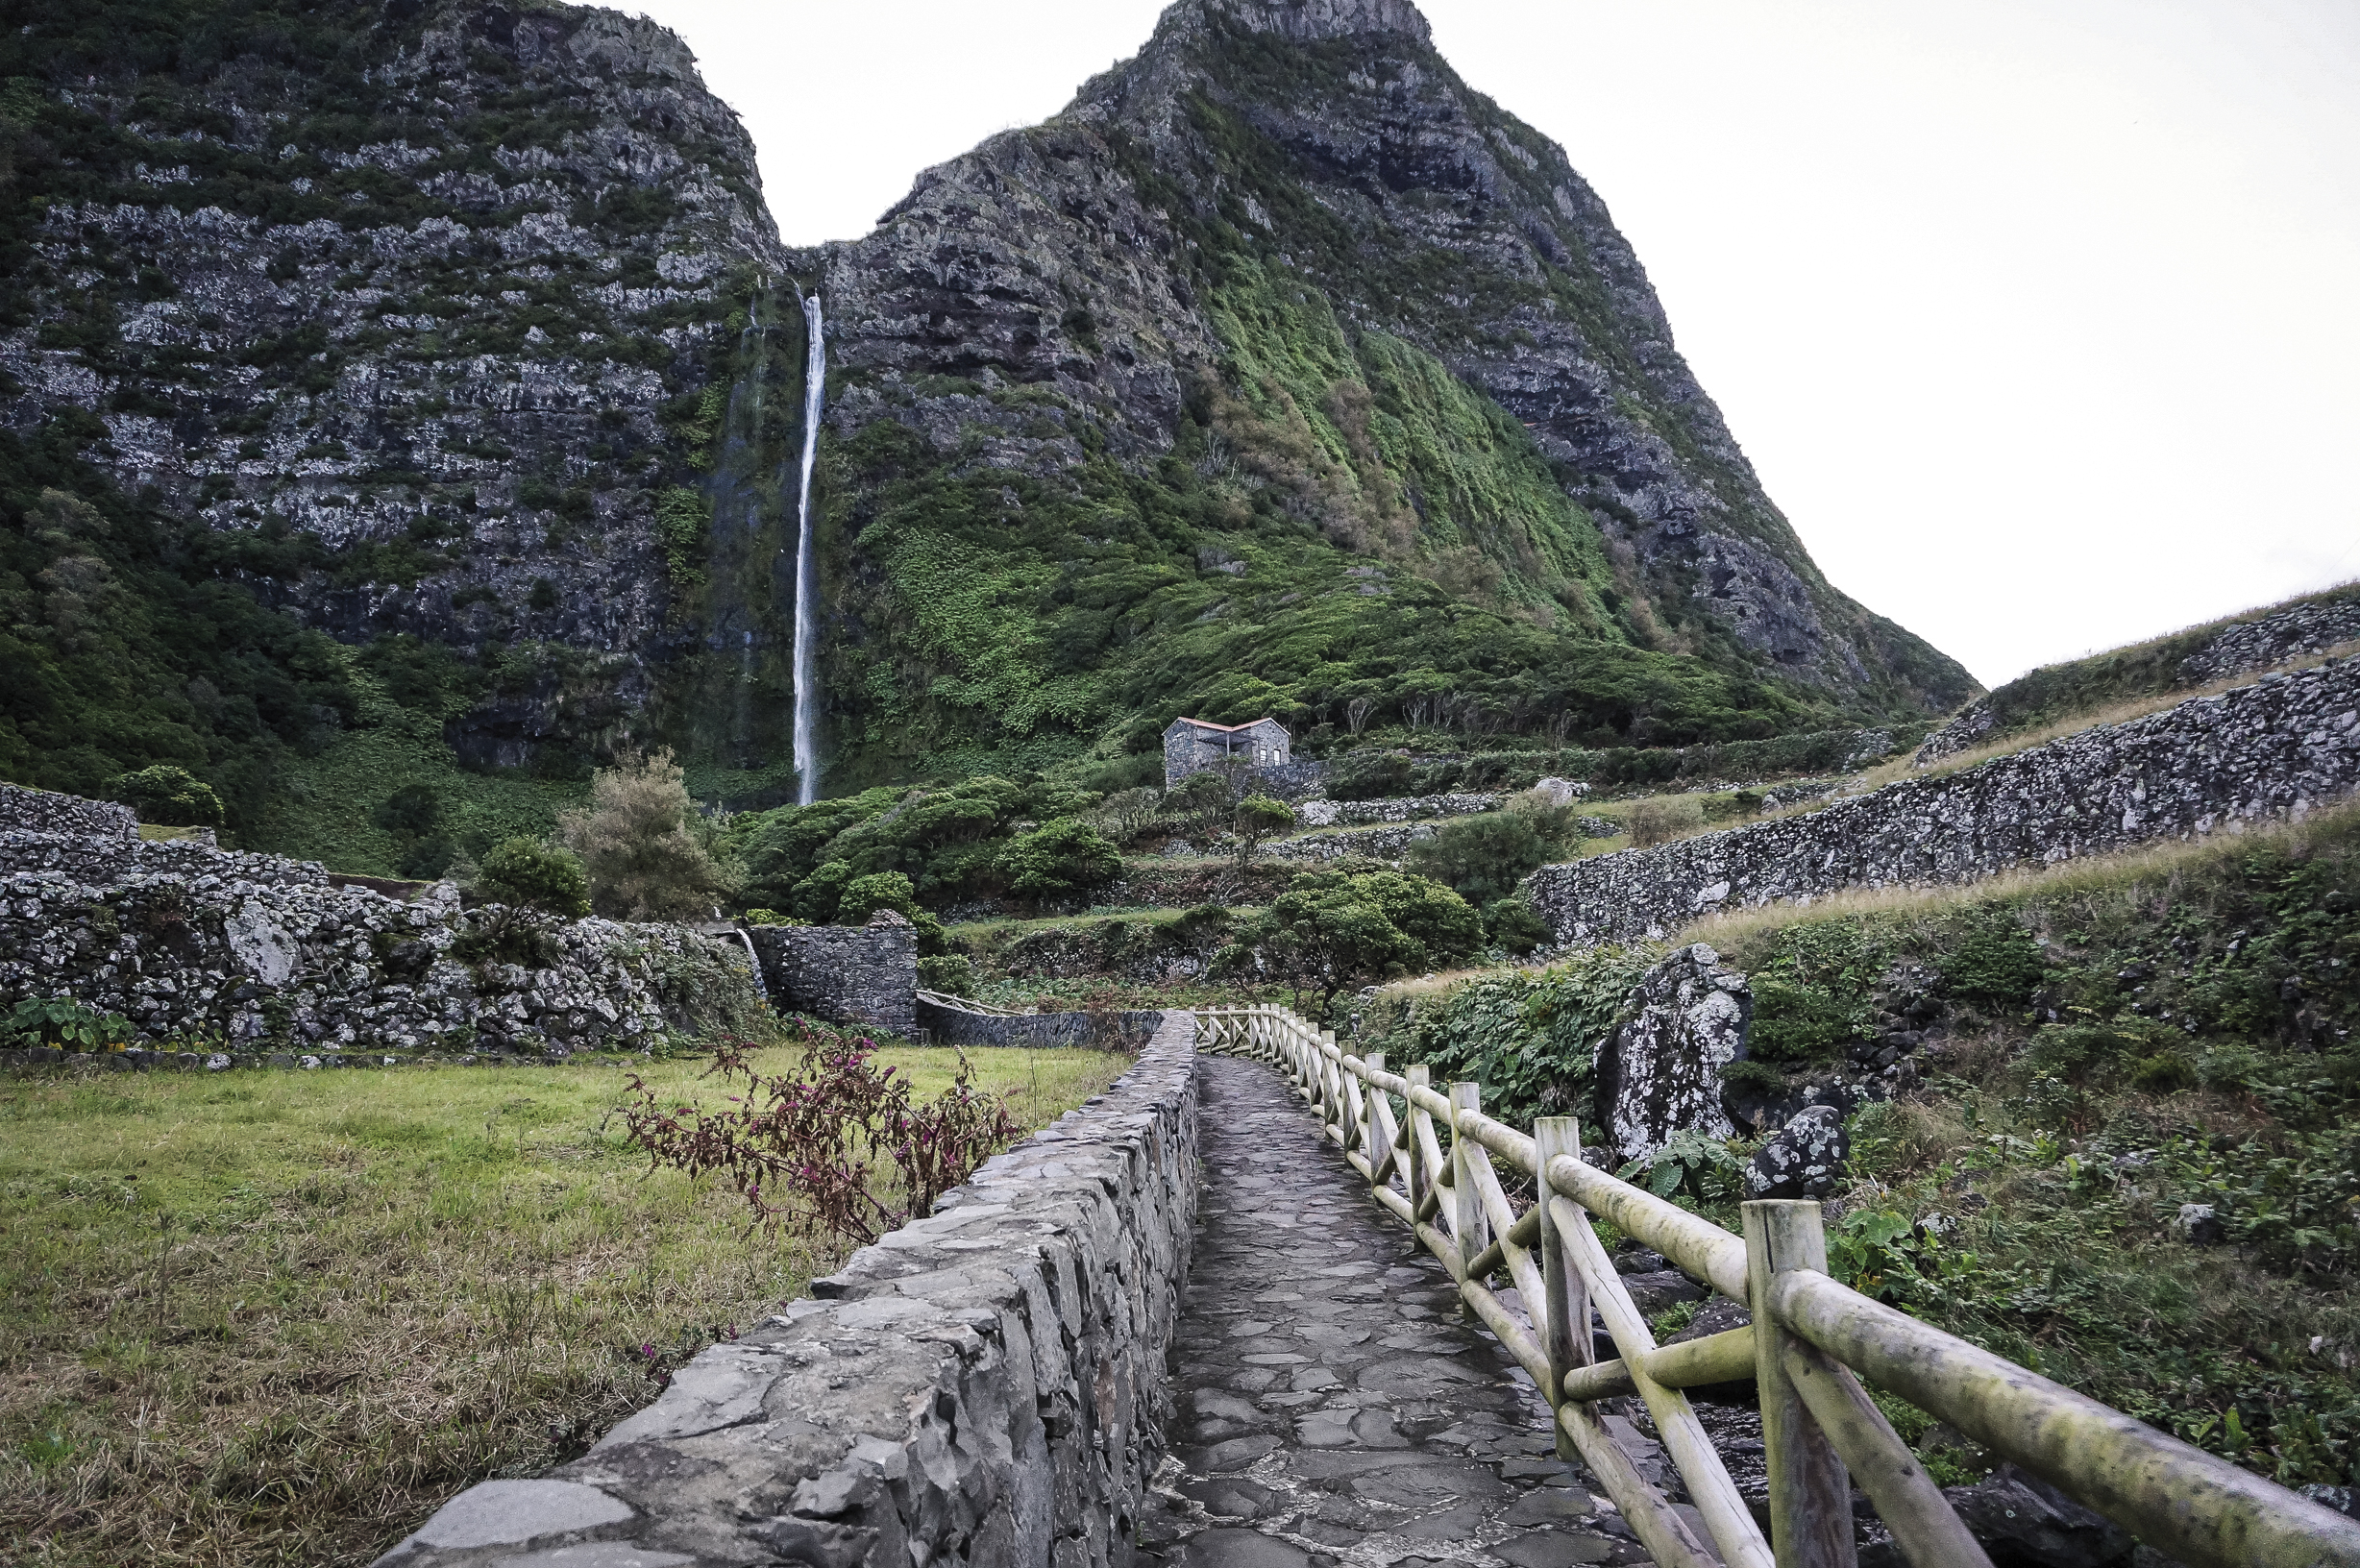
1310, 21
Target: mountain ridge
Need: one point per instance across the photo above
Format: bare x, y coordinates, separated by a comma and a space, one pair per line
459, 334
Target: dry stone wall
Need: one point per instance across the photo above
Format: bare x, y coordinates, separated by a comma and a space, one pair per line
983, 1387
1404, 809
2313, 627
852, 974
43, 811
104, 862
2279, 747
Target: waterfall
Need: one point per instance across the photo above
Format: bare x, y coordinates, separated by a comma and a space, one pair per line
761, 987
806, 601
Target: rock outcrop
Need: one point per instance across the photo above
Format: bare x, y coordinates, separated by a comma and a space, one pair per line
1659, 1073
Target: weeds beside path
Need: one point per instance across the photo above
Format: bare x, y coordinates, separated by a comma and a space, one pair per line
266, 1318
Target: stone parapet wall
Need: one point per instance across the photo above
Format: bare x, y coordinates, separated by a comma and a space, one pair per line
848, 974
984, 1386
105, 861
280, 966
42, 811
1046, 1031
2267, 751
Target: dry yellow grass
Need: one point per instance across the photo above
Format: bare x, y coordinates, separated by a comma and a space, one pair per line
267, 1319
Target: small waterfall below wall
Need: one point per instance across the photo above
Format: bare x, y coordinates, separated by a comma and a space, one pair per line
806, 597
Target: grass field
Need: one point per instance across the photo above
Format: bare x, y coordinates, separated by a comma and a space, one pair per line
276, 1318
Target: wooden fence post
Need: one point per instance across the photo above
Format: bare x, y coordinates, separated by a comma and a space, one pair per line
1810, 1496
1414, 1168
1372, 1130
1566, 1331
1467, 1224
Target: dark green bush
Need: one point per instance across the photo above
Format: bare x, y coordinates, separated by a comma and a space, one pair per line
527, 873
1063, 859
169, 796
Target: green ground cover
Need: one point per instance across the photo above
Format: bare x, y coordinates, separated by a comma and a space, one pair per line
265, 1318
2105, 1043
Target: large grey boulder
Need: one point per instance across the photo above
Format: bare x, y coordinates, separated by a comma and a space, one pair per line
1660, 1071
1802, 1158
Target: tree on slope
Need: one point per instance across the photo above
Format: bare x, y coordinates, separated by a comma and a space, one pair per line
646, 862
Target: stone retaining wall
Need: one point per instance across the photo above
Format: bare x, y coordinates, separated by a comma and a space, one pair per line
2279, 747
1405, 809
850, 974
983, 1387
105, 861
291, 967
42, 811
1389, 842
2312, 627
1046, 1031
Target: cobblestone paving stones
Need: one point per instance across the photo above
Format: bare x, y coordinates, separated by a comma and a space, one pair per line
1332, 1406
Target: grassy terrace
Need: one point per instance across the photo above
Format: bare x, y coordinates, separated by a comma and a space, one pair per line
271, 1318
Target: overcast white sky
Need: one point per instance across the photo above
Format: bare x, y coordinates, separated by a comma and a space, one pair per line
2040, 318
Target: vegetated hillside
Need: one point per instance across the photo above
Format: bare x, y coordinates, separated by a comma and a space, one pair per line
2079, 1055
429, 378
1285, 373
405, 320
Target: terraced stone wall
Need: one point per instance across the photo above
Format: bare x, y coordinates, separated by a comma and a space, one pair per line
2282, 746
984, 1385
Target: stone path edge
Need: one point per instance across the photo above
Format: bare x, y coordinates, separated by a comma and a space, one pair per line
985, 1384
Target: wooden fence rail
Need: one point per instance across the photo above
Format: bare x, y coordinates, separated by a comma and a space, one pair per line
1810, 1342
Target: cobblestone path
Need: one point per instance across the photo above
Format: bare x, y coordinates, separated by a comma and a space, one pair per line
1332, 1406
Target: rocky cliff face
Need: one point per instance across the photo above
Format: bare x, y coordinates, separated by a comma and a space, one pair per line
1287, 269
435, 292
1281, 373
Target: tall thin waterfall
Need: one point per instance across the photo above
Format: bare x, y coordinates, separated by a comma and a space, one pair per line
806, 598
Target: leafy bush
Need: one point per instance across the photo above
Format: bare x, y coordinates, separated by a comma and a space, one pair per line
1333, 929
1063, 859
526, 874
1511, 924
644, 862
1257, 817
804, 1152
1997, 966
64, 1023
1485, 857
1362, 775
953, 975
168, 796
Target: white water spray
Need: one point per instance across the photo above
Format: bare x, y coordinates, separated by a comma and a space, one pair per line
806, 601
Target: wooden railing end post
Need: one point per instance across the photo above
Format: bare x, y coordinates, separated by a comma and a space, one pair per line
1810, 1495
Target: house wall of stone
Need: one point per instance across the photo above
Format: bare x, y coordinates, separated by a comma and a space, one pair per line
846, 974
983, 1387
2285, 746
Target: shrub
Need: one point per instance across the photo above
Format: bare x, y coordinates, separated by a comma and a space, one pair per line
1509, 923
802, 1151
66, 1023
1063, 859
526, 874
1257, 817
1334, 929
168, 796
864, 895
1997, 966
1483, 857
1663, 819
1367, 777
953, 975
634, 840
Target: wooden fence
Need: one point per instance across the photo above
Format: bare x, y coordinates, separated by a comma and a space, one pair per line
1810, 1336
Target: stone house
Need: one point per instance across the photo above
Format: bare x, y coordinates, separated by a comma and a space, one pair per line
1191, 745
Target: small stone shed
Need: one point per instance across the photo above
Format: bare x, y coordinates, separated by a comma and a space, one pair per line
1193, 744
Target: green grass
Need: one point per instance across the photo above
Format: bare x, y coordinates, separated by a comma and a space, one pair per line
267, 1319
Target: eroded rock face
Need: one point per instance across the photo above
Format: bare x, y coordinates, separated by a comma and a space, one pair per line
1660, 1071
2279, 748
